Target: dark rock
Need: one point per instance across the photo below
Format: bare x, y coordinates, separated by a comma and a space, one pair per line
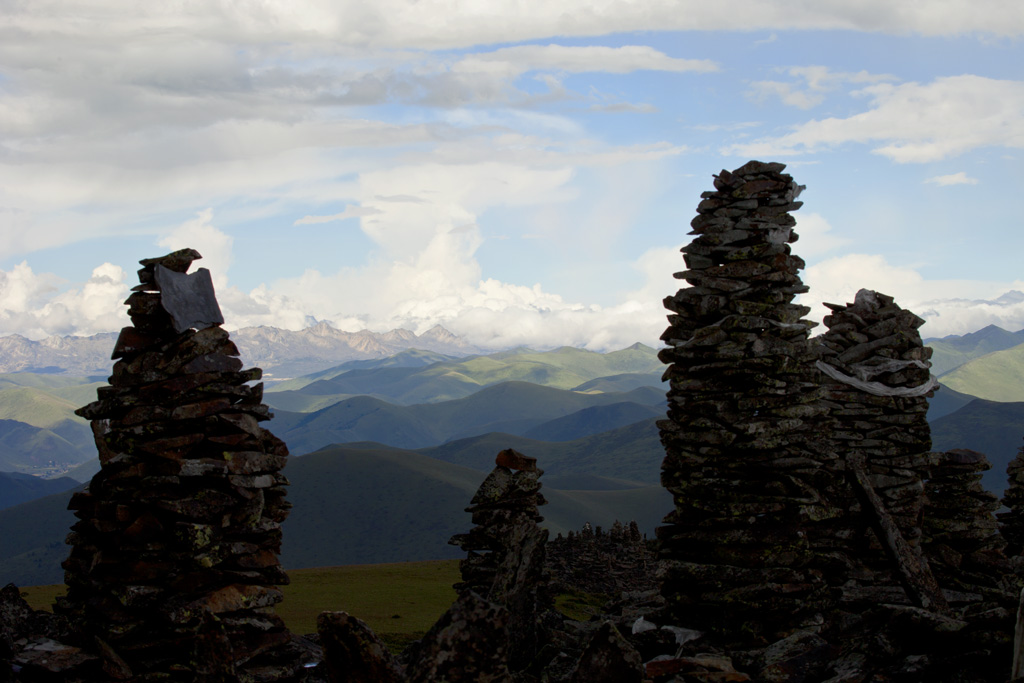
608, 658
353, 653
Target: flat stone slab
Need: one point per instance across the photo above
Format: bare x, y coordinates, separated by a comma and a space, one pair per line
188, 298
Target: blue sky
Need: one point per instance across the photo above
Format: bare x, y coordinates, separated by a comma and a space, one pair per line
522, 174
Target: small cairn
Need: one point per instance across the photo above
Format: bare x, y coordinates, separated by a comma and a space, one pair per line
876, 384
174, 559
506, 549
595, 561
960, 536
742, 419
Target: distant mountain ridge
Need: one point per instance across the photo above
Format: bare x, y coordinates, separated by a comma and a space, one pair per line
281, 353
950, 352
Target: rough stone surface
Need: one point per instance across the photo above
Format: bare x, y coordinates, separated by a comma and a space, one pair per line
506, 551
174, 558
748, 481
468, 644
608, 658
353, 653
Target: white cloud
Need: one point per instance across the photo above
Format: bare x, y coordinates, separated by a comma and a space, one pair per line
960, 178
948, 306
214, 245
914, 123
813, 84
350, 211
513, 61
34, 305
816, 236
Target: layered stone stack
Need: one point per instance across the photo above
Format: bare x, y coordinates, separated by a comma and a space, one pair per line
877, 382
505, 561
174, 562
960, 537
740, 461
609, 563
1011, 521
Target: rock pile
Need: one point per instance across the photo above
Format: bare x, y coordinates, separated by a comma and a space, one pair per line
595, 561
505, 561
740, 462
1011, 521
174, 560
876, 384
960, 534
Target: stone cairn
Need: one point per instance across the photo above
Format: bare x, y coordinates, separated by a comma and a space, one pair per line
960, 534
174, 562
506, 550
595, 561
740, 460
876, 384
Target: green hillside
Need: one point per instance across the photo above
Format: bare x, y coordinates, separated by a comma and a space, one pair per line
946, 401
993, 428
34, 450
563, 368
997, 376
352, 505
513, 407
955, 350
16, 488
36, 407
633, 452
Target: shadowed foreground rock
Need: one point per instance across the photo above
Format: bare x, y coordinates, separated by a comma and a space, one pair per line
353, 652
174, 560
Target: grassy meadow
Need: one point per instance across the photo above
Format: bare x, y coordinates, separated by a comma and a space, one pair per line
399, 601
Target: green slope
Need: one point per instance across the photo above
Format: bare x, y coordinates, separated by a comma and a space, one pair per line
16, 488
351, 506
32, 543
36, 407
953, 351
946, 401
34, 450
632, 453
993, 428
563, 368
997, 376
514, 407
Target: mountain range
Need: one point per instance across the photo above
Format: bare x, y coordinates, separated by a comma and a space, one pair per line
281, 353
393, 445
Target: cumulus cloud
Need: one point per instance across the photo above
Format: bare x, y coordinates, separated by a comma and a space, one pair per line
914, 122
948, 306
960, 178
214, 245
39, 305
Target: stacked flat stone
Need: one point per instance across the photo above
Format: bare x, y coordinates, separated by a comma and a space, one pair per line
876, 383
960, 532
1011, 521
740, 461
506, 550
174, 562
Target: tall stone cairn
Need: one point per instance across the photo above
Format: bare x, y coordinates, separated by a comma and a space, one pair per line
740, 461
876, 383
506, 550
174, 559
